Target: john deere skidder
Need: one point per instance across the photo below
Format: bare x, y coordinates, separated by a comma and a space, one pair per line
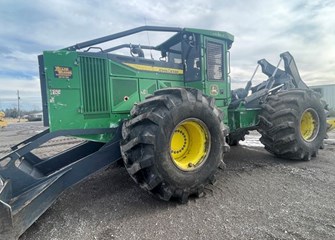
169, 119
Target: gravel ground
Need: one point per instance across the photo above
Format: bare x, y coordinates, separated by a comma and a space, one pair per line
258, 196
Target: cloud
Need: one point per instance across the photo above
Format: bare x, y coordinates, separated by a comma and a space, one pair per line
29, 90
262, 29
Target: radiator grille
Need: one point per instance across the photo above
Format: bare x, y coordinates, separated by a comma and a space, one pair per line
94, 85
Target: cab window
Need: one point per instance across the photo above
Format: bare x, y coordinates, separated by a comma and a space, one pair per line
214, 61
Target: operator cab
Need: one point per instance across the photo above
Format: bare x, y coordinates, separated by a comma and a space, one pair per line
186, 51
184, 48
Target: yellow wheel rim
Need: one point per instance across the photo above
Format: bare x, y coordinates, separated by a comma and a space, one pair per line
190, 144
309, 125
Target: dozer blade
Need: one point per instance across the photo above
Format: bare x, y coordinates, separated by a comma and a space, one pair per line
29, 185
17, 214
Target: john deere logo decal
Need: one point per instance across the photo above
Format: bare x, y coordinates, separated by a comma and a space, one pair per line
214, 90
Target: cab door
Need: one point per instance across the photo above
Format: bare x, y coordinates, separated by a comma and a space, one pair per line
192, 53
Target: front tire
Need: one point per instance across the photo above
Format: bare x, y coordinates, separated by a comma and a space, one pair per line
174, 143
293, 124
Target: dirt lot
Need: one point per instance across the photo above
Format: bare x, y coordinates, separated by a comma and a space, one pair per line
257, 197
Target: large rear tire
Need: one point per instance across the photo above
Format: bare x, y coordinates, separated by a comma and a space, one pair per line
293, 124
174, 143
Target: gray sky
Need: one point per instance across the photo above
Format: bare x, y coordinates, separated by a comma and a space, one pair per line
262, 29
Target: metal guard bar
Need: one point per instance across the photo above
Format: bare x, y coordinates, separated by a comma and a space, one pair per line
29, 185
121, 34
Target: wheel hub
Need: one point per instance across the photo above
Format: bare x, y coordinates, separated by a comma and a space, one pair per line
180, 142
189, 145
309, 125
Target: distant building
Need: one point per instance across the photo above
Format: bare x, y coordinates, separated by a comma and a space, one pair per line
327, 93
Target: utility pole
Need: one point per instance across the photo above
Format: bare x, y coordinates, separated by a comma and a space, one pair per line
18, 104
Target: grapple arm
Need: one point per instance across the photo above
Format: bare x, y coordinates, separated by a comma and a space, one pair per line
277, 79
291, 68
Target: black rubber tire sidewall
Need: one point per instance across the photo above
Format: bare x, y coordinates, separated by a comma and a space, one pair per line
315, 143
280, 122
164, 163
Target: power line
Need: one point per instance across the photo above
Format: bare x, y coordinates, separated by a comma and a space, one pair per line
18, 104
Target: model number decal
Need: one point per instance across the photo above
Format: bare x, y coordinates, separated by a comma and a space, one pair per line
63, 72
55, 92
